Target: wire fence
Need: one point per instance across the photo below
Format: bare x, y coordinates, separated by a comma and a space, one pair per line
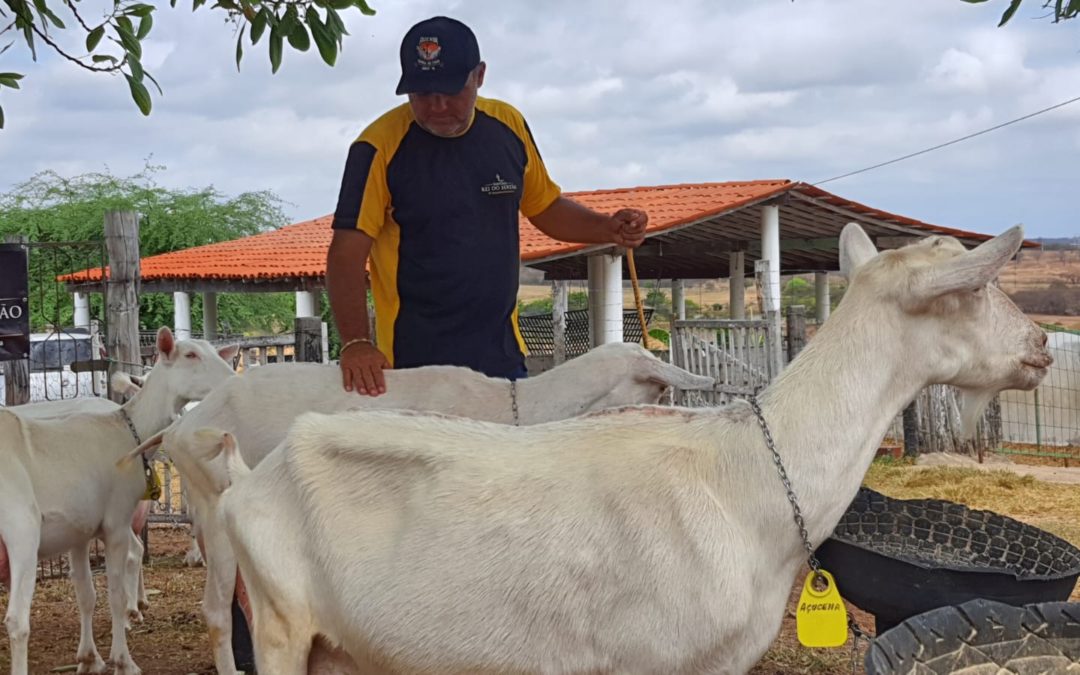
1045, 422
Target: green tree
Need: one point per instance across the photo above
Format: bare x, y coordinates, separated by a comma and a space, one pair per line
113, 43
1062, 9
51, 208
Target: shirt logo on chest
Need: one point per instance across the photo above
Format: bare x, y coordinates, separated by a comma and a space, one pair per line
499, 187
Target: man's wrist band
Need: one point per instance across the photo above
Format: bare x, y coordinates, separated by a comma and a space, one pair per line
354, 341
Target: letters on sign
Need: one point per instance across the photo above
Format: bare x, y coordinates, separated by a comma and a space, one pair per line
14, 303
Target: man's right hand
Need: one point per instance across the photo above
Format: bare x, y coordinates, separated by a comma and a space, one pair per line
362, 368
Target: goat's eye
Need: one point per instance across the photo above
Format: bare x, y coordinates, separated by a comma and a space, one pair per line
191, 355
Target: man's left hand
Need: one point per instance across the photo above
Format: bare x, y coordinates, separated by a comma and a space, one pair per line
629, 227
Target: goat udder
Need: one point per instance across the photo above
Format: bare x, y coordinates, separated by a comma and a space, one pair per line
138, 520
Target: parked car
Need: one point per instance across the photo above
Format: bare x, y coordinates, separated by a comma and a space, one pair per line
51, 356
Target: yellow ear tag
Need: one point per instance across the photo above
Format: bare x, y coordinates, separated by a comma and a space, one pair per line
821, 620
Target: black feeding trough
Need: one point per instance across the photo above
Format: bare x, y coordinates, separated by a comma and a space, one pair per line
981, 636
896, 558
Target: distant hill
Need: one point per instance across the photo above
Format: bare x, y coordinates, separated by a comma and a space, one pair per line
1058, 243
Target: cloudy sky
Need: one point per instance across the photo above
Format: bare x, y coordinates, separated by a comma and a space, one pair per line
618, 93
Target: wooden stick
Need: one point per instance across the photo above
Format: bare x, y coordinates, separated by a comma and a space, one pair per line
637, 297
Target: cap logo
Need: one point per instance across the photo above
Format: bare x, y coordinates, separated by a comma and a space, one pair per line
428, 49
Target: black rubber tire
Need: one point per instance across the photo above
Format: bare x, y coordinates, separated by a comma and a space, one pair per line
982, 637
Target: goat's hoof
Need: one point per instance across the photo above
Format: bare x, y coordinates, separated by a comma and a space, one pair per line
144, 604
125, 666
134, 616
194, 559
91, 664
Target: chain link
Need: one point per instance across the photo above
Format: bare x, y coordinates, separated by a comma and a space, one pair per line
811, 559
857, 634
513, 401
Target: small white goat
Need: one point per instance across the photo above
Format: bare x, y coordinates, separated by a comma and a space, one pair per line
128, 385
259, 406
643, 539
60, 489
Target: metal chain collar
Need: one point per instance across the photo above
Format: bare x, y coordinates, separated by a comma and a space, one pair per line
131, 426
513, 402
811, 559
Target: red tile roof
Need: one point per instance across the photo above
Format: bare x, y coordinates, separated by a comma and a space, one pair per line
299, 250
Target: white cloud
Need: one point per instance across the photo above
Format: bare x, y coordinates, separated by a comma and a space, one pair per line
621, 94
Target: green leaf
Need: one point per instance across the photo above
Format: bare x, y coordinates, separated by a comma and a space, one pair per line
93, 38
197, 4
324, 38
145, 24
101, 58
334, 22
299, 39
136, 68
126, 24
364, 8
276, 43
45, 11
340, 4
140, 10
139, 94
128, 39
1013, 6
259, 25
156, 85
289, 21
10, 79
1, 117
239, 49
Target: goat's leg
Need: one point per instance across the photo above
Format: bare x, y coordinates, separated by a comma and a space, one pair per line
20, 534
87, 656
280, 648
117, 546
133, 575
218, 596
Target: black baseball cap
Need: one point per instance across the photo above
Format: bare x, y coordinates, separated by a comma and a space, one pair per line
437, 56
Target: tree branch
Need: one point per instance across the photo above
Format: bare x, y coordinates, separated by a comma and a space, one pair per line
73, 59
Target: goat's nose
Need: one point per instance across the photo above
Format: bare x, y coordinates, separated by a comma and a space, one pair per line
1045, 338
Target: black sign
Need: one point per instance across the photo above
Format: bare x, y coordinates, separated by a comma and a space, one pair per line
14, 304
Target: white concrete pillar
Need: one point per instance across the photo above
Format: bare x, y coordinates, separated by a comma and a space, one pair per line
678, 299
560, 295
613, 299
737, 285
82, 310
182, 315
770, 251
596, 271
209, 315
821, 296
307, 304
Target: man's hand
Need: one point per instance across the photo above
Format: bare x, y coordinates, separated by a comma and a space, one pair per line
362, 368
629, 227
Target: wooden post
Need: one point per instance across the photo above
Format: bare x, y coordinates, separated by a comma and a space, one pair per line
122, 294
737, 285
560, 298
911, 430
308, 333
796, 330
16, 373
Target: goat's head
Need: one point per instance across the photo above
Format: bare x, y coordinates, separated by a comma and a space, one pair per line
948, 313
631, 374
191, 368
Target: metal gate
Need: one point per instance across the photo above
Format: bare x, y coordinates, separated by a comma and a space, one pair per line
65, 341
737, 354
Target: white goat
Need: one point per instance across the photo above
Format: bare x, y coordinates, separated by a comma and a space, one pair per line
59, 490
127, 385
259, 406
643, 539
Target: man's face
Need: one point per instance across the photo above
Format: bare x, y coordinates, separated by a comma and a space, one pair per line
448, 115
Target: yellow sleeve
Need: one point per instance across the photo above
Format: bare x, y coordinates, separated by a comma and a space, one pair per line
539, 191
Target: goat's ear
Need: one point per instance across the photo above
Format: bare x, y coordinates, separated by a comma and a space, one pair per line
165, 341
229, 353
669, 375
855, 249
972, 269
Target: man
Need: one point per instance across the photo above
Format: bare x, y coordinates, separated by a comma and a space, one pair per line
430, 195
